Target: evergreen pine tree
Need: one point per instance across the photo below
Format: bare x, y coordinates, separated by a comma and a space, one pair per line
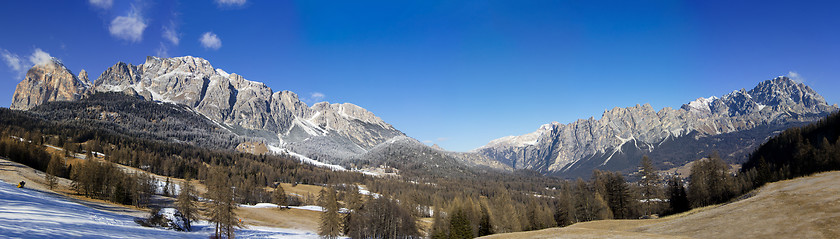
484, 227
330, 221
459, 225
677, 199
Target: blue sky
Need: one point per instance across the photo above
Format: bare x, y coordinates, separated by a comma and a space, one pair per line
455, 73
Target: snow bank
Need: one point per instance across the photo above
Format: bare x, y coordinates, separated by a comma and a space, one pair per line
260, 205
28, 213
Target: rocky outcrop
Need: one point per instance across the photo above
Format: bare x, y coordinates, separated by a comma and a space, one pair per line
558, 148
49, 81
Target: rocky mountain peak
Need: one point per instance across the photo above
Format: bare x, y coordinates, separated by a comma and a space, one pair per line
48, 81
785, 91
183, 64
83, 76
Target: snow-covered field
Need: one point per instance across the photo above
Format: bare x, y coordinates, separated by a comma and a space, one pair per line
29, 213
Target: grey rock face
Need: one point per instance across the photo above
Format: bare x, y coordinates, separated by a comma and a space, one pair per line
558, 148
46, 82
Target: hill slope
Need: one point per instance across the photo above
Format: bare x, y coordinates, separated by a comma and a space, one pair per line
807, 207
29, 213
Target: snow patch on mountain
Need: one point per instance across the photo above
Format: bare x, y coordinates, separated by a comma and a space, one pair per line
303, 159
702, 104
223, 73
521, 140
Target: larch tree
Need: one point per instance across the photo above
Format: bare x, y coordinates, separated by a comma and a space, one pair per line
506, 219
222, 204
55, 168
186, 205
279, 196
650, 178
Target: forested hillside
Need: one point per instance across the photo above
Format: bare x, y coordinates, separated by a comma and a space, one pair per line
797, 152
139, 118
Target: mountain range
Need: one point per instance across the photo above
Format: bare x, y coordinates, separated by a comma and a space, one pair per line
731, 125
348, 135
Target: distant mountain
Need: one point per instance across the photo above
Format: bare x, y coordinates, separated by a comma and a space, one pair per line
242, 109
348, 135
732, 125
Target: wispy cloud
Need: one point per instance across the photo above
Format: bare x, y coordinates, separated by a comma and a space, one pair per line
20, 65
441, 139
317, 96
428, 141
15, 62
162, 51
795, 77
104, 4
129, 27
231, 3
170, 33
210, 40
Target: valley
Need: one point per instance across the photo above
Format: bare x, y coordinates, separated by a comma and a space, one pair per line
425, 119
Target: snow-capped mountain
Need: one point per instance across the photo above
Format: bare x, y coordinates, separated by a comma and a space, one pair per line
621, 136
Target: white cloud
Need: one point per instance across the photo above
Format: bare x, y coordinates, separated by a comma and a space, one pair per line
795, 77
39, 57
427, 141
237, 3
13, 61
210, 40
19, 65
441, 139
129, 27
104, 4
171, 34
317, 96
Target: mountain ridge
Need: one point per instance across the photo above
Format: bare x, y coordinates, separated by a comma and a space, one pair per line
556, 148
333, 133
227, 98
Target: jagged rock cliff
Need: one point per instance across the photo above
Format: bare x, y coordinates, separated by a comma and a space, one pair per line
49, 81
586, 144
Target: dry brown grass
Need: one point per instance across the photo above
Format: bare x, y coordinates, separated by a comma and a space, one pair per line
302, 189
286, 218
807, 207
257, 148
